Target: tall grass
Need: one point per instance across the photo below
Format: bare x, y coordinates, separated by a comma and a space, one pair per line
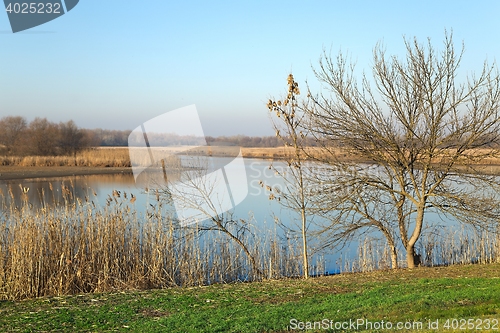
437, 247
82, 247
119, 157
74, 245
105, 157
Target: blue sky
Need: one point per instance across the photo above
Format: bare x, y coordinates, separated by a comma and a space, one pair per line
115, 63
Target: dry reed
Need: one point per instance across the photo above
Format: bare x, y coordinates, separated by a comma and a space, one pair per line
74, 245
437, 247
101, 157
81, 247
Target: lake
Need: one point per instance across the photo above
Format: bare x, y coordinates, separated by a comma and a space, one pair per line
267, 216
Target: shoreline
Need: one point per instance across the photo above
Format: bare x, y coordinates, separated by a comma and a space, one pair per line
17, 172
107, 157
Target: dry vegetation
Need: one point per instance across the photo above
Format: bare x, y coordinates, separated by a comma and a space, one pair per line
119, 157
447, 246
82, 247
100, 157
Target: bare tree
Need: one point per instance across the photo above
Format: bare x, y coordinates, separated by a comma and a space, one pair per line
42, 137
71, 138
288, 121
425, 136
11, 132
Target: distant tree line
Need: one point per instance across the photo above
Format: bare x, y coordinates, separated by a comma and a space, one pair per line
253, 141
40, 137
46, 138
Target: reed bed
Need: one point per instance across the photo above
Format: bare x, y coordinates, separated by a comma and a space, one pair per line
437, 247
119, 157
73, 245
81, 247
99, 157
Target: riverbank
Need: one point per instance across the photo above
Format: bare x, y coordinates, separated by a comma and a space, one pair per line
104, 160
423, 299
16, 172
112, 160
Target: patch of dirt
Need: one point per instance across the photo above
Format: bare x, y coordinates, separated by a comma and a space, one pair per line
153, 313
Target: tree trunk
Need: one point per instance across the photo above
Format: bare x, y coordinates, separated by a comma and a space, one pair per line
304, 243
394, 256
411, 258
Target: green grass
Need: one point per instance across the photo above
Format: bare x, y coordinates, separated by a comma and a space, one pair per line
422, 294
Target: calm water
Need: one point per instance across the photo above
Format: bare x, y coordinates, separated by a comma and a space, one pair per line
46, 191
256, 207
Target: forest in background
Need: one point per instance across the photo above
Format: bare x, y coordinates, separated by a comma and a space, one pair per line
41, 137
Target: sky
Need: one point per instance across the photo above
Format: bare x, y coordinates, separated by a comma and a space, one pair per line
115, 64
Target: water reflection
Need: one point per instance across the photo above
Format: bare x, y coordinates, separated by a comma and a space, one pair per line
47, 192
267, 216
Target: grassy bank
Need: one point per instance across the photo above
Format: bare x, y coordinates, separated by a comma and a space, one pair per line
110, 158
69, 244
407, 296
119, 157
107, 157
